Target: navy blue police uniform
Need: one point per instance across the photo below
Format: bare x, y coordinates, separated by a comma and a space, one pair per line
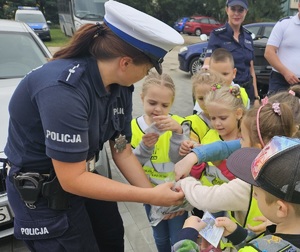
242, 52
41, 114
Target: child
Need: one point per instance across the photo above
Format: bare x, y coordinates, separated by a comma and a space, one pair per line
222, 62
154, 149
202, 82
200, 123
274, 173
225, 108
236, 195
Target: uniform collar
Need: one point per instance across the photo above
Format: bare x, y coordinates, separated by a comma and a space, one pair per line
229, 29
97, 80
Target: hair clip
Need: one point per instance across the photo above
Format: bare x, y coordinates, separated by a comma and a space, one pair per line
265, 100
292, 92
276, 108
214, 87
100, 30
235, 91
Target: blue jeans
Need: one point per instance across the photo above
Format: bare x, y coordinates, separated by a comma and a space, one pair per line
165, 232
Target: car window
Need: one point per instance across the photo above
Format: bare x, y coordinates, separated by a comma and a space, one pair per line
204, 21
30, 18
19, 54
253, 29
212, 21
267, 31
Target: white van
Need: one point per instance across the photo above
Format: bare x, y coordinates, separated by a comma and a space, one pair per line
35, 19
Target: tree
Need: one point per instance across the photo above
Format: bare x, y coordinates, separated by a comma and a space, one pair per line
166, 10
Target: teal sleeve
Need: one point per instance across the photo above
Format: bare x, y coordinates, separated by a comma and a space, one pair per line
216, 151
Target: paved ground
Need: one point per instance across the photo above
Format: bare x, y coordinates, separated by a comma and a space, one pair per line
138, 233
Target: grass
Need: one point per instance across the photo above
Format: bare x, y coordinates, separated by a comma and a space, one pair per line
58, 38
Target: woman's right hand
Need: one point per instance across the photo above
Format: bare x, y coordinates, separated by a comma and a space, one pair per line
166, 196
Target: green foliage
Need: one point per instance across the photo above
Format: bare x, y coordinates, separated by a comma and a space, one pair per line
49, 8
166, 10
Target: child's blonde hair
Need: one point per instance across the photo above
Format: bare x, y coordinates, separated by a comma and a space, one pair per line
206, 77
291, 98
266, 122
229, 96
153, 78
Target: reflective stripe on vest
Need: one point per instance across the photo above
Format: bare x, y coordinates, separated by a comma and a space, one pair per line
198, 128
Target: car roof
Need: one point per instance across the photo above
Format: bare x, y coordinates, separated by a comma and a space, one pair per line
260, 23
11, 25
197, 17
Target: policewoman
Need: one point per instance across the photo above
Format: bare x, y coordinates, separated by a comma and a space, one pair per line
238, 41
60, 116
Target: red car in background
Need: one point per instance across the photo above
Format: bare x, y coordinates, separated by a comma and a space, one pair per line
201, 25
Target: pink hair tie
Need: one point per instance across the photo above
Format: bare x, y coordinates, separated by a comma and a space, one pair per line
276, 108
257, 125
292, 92
265, 100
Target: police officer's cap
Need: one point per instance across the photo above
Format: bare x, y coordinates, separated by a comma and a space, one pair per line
243, 3
144, 32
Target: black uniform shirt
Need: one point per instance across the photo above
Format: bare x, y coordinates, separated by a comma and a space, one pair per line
241, 51
62, 111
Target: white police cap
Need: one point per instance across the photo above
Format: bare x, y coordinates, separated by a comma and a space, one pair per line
144, 32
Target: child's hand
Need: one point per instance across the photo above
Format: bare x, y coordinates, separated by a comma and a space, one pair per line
229, 225
261, 227
185, 147
194, 222
183, 167
150, 139
165, 122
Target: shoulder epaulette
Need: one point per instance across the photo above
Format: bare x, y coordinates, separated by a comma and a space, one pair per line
288, 17
72, 74
220, 30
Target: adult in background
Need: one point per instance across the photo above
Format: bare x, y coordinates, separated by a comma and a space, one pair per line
283, 53
62, 113
238, 41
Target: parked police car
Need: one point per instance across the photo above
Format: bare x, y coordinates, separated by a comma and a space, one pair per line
35, 19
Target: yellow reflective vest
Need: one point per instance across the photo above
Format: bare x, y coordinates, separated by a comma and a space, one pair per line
159, 167
198, 128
